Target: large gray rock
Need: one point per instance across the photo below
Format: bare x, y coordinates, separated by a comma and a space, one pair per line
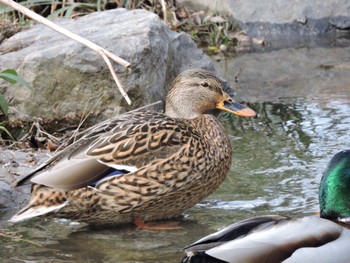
70, 79
270, 18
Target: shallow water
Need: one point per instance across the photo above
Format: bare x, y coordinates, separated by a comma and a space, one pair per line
302, 96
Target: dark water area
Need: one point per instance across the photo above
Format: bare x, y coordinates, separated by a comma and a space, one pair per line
302, 96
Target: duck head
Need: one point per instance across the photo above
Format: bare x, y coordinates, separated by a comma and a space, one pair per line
334, 192
195, 92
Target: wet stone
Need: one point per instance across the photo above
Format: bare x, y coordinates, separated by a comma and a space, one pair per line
15, 163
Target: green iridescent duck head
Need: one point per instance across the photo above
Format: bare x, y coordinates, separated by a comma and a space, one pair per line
195, 92
334, 192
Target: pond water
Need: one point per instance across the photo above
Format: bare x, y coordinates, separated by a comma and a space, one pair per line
302, 96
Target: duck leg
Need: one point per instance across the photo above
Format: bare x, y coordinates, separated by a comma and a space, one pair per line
174, 225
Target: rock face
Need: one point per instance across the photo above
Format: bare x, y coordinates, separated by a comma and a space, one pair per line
70, 79
13, 164
273, 18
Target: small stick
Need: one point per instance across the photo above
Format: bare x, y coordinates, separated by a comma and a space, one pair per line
146, 106
83, 120
165, 15
101, 51
236, 78
115, 77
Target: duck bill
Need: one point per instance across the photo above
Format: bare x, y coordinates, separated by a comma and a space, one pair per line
236, 108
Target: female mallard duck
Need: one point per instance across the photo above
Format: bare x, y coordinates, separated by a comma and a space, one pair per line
141, 166
283, 239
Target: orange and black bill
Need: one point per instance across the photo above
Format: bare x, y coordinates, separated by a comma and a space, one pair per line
236, 108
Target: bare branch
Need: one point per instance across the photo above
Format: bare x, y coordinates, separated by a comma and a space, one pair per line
165, 14
101, 51
115, 77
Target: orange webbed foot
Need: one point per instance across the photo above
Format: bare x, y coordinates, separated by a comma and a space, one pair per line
173, 225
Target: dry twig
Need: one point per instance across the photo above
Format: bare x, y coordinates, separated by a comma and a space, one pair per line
105, 54
165, 14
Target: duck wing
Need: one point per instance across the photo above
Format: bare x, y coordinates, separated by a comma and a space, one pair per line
273, 239
124, 143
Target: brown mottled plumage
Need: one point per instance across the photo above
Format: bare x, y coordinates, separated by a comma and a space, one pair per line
168, 162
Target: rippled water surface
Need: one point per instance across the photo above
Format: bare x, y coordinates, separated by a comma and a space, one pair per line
302, 96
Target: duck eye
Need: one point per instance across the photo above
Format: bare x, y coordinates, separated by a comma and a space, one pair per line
205, 84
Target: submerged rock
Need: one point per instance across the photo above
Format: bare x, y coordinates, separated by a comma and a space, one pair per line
70, 79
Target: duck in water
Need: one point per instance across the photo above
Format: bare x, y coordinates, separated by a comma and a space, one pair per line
141, 166
273, 239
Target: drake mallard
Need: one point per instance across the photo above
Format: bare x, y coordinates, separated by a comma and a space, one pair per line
283, 239
141, 166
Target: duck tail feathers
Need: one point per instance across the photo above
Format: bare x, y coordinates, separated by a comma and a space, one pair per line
34, 211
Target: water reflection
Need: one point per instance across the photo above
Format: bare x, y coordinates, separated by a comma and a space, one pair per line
280, 157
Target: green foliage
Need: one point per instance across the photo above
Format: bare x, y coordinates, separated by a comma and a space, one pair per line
71, 9
211, 32
12, 77
52, 9
3, 128
218, 28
